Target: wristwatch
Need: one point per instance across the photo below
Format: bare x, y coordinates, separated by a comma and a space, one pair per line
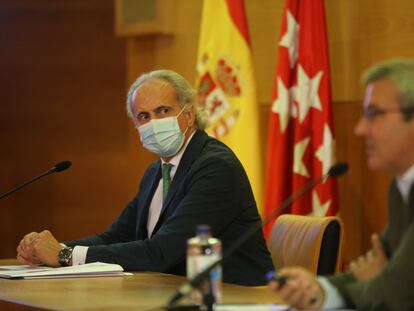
65, 255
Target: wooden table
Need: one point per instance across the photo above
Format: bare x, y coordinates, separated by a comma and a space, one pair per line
141, 291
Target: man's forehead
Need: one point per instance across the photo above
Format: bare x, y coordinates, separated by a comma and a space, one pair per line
368, 95
381, 93
154, 94
159, 84
156, 86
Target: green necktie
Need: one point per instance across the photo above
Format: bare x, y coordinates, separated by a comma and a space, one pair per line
166, 178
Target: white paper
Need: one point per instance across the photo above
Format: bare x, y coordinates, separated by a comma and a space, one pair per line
249, 307
86, 270
23, 267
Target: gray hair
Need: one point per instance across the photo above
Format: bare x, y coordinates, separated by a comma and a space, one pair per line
185, 93
401, 73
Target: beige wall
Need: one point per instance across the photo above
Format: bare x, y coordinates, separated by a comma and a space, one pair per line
64, 76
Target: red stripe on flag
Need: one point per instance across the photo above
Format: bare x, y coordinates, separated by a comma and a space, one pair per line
238, 15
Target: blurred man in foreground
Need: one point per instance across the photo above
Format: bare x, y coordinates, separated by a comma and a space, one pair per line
382, 278
198, 180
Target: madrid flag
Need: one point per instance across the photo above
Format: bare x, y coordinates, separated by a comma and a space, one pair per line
226, 86
301, 133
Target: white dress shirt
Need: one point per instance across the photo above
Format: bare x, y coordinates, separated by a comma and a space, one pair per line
404, 183
333, 299
79, 252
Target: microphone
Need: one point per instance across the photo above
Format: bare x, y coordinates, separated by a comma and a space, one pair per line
61, 166
335, 171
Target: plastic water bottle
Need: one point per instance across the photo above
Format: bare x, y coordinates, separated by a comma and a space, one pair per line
203, 250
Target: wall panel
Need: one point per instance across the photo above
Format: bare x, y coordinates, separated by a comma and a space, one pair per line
63, 81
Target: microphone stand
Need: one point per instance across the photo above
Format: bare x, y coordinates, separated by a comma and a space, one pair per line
334, 171
208, 298
57, 168
24, 184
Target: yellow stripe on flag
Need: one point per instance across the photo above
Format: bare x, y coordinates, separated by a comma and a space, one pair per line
226, 87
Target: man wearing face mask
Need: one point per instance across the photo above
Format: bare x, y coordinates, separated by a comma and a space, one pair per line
198, 180
380, 279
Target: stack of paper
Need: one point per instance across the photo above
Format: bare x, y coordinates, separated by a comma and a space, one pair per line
41, 272
249, 307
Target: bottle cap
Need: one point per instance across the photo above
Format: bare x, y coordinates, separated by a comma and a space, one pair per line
203, 229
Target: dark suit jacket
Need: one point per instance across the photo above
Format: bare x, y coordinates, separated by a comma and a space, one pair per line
210, 186
392, 289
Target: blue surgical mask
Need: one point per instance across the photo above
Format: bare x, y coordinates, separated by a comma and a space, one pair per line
162, 136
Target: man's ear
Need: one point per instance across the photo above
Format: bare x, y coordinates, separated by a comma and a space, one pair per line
191, 115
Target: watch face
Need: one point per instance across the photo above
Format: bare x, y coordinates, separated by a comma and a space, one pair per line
65, 255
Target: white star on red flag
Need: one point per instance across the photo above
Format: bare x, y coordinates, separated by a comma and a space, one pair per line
299, 166
290, 38
325, 151
283, 104
301, 137
319, 209
307, 93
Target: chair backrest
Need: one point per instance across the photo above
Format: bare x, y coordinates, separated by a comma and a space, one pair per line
308, 241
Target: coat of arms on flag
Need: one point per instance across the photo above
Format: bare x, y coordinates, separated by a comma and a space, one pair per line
214, 91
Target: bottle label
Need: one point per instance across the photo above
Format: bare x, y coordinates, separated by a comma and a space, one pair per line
197, 264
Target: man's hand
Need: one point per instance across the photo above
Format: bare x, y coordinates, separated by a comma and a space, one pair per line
25, 251
301, 291
39, 248
369, 266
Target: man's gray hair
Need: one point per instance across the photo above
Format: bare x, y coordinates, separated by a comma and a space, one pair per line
401, 73
185, 93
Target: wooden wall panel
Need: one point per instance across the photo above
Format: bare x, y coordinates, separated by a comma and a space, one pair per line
350, 191
63, 81
264, 24
343, 23
386, 30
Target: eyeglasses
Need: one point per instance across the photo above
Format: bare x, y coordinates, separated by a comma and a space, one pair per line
372, 112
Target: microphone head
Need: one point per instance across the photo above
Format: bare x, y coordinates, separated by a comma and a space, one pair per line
61, 166
338, 169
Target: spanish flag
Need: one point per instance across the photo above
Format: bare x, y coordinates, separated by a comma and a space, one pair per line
226, 86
